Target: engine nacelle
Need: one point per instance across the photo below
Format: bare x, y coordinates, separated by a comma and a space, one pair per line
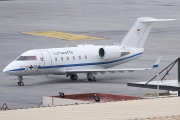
110, 52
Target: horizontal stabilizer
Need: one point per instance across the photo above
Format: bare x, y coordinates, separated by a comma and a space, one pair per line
148, 19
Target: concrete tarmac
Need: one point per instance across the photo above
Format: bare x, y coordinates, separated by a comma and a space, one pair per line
103, 18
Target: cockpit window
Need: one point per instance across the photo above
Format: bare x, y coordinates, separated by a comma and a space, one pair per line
27, 58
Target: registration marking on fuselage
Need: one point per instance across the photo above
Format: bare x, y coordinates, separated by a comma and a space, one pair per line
63, 35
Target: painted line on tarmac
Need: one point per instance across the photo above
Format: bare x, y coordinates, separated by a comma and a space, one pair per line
63, 35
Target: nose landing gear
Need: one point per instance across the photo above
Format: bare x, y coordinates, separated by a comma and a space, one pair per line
20, 83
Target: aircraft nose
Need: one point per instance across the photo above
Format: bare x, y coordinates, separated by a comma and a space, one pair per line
5, 70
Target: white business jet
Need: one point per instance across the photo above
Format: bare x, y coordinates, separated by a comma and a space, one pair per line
88, 59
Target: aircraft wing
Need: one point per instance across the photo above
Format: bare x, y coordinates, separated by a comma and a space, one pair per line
102, 71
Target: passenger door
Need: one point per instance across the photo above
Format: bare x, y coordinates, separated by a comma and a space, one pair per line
46, 58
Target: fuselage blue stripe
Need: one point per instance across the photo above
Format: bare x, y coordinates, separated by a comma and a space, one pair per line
85, 64
19, 69
82, 64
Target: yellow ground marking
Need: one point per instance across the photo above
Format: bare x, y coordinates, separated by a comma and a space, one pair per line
63, 35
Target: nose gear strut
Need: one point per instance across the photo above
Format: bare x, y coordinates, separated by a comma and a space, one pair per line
20, 83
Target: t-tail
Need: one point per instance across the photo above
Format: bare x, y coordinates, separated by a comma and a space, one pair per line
137, 35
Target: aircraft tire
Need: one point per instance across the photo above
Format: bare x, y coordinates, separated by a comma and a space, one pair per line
74, 77
20, 84
92, 79
89, 79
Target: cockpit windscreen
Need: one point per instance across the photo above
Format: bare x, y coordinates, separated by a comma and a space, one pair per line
24, 58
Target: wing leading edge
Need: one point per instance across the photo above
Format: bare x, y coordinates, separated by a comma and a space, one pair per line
102, 71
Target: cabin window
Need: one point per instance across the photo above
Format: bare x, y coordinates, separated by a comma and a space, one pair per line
67, 58
55, 58
26, 58
61, 58
79, 57
73, 58
85, 56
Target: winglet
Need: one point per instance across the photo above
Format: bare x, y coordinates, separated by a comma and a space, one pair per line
156, 64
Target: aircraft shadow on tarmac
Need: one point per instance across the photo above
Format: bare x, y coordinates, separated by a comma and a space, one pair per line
51, 80
42, 80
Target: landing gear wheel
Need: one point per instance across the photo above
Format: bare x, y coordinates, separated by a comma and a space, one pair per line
94, 79
73, 77
91, 77
20, 83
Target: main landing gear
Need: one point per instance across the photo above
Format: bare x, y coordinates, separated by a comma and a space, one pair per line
90, 77
20, 83
72, 76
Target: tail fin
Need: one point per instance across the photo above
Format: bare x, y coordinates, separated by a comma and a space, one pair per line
137, 35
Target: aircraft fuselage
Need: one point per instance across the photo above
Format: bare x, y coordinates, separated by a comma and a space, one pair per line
57, 60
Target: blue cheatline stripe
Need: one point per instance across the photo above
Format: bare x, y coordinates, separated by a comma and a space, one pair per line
82, 64
19, 69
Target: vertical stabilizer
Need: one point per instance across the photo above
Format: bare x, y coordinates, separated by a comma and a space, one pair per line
137, 35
